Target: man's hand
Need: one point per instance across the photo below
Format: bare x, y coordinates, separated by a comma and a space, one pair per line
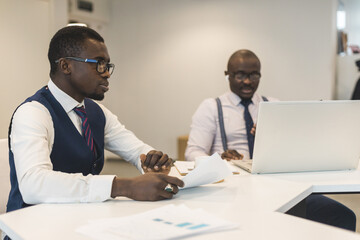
146, 187
253, 130
156, 161
231, 155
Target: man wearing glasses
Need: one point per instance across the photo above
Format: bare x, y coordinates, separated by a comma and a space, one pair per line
239, 108
57, 136
243, 75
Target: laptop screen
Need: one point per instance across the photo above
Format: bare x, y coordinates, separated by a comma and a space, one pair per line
307, 136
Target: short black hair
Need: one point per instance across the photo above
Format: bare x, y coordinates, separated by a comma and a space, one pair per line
68, 42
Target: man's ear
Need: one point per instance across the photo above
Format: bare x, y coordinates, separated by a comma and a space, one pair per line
226, 75
65, 66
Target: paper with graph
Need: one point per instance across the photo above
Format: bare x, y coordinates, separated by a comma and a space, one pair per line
168, 222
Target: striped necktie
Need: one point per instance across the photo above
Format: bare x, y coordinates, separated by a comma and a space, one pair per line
249, 125
85, 128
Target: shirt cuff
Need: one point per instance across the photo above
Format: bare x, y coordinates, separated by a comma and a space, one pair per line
100, 188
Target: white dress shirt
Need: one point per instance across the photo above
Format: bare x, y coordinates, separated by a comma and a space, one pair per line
205, 136
32, 139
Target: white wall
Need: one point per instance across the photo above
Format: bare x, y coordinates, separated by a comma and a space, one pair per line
170, 55
24, 39
26, 28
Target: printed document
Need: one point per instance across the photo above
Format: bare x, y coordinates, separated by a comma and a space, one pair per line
167, 222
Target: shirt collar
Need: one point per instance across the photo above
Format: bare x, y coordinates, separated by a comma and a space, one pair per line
67, 102
235, 99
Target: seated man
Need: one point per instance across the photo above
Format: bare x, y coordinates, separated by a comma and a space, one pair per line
57, 136
239, 108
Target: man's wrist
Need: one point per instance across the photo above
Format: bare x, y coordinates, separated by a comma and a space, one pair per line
120, 187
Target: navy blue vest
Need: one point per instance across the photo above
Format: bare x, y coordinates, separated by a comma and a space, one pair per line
69, 154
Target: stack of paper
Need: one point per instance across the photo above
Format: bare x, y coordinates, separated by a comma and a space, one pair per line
184, 167
166, 222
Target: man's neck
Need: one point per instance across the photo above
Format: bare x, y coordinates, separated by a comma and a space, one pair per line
63, 84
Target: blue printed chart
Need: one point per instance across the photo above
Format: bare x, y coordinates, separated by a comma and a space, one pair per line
166, 222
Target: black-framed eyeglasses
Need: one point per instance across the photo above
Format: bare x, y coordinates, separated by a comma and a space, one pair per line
241, 76
101, 65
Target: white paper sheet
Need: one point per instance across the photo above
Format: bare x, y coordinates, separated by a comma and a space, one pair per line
209, 170
166, 222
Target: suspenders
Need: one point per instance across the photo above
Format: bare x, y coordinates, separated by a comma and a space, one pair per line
221, 122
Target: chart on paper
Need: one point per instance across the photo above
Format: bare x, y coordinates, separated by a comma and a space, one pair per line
165, 222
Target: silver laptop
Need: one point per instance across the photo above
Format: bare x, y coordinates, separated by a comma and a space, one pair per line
306, 136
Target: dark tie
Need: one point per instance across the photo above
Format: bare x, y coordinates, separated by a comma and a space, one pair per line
85, 128
249, 125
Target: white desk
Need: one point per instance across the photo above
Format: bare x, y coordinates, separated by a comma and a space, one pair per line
326, 182
256, 202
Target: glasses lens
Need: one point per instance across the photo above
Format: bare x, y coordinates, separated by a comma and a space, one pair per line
254, 76
101, 66
240, 75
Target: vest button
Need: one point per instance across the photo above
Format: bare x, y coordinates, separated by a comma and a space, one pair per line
94, 165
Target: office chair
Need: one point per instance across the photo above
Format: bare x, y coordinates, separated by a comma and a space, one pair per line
182, 143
